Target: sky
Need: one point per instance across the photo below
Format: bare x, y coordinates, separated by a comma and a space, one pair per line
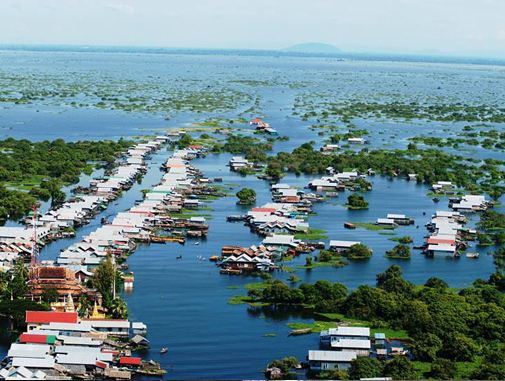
403, 26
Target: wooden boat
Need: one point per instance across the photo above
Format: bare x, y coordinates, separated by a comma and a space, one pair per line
164, 350
472, 255
157, 239
349, 225
298, 332
179, 256
436, 199
214, 258
230, 271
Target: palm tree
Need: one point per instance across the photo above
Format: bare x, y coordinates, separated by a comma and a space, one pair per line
84, 307
119, 309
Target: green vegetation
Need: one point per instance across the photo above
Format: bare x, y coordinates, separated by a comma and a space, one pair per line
430, 166
13, 287
491, 220
356, 201
404, 240
358, 251
325, 258
312, 235
104, 278
400, 251
459, 331
42, 168
372, 226
246, 196
315, 327
285, 366
269, 335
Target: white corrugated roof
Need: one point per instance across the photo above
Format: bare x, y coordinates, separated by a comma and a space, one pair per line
331, 356
351, 344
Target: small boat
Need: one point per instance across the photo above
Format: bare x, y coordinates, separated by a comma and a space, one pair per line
436, 199
164, 350
348, 225
214, 258
472, 255
179, 256
197, 243
297, 332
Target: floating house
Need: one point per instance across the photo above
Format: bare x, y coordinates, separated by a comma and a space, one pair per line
344, 333
356, 140
237, 163
360, 347
328, 360
342, 246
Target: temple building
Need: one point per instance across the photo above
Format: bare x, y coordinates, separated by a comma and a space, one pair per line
62, 280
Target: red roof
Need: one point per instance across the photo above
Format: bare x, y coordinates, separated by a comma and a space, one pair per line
51, 317
101, 364
256, 120
130, 360
266, 210
35, 339
440, 241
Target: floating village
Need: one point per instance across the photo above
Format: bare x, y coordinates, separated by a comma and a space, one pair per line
60, 344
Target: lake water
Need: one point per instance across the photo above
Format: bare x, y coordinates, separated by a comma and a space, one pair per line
184, 302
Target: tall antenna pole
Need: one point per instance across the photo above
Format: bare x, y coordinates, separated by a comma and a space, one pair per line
35, 249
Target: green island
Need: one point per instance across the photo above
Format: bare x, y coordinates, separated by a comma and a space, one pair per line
31, 171
456, 331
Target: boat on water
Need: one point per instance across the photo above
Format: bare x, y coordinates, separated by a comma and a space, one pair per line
164, 350
298, 332
197, 243
349, 225
179, 256
472, 255
214, 258
436, 199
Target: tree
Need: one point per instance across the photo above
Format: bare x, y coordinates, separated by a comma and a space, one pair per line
491, 368
17, 308
400, 368
246, 196
426, 346
119, 309
103, 280
336, 374
359, 251
357, 201
365, 367
435, 282
308, 261
459, 347
84, 307
18, 286
185, 141
324, 256
399, 251
443, 369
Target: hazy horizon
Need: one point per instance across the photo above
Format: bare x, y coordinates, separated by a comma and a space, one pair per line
463, 28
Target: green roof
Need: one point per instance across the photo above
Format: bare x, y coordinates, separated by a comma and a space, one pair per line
50, 339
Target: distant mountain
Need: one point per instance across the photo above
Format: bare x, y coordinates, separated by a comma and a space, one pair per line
313, 47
